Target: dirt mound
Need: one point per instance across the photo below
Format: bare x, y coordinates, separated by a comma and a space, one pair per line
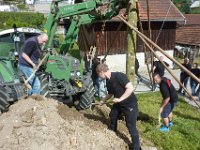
39, 123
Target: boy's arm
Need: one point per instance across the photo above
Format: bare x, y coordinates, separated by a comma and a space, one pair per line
107, 97
165, 102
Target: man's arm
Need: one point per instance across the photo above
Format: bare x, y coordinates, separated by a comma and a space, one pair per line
127, 93
154, 65
107, 97
153, 70
166, 64
164, 104
27, 58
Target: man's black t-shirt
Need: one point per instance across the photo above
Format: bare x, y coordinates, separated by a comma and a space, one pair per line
196, 72
168, 90
95, 63
32, 49
116, 86
160, 68
189, 67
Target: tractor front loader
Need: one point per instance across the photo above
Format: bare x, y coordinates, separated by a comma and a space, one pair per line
66, 75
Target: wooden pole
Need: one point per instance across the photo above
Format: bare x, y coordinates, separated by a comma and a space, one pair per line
131, 42
144, 46
148, 16
150, 36
143, 38
161, 50
170, 71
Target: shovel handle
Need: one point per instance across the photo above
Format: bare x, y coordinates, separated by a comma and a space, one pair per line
38, 66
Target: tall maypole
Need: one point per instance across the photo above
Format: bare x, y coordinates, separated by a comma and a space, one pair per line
131, 41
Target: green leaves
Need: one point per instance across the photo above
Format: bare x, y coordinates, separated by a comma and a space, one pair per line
183, 5
21, 19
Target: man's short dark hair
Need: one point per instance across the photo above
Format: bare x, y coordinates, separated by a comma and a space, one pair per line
196, 64
156, 74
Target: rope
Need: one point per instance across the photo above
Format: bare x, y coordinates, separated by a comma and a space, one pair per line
150, 36
161, 28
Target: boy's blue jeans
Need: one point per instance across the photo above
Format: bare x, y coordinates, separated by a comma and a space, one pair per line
34, 81
193, 86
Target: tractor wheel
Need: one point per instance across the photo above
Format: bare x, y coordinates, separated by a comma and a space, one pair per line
44, 85
4, 104
87, 97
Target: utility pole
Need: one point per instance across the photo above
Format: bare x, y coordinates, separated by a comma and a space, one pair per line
131, 41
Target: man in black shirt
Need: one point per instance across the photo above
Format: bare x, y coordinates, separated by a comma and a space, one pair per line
170, 99
137, 66
184, 76
124, 100
193, 83
28, 60
159, 68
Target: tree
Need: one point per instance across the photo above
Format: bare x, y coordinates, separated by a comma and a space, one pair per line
183, 5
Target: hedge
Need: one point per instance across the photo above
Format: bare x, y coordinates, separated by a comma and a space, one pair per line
21, 19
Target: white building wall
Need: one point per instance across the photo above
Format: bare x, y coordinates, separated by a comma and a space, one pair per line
29, 2
118, 62
8, 8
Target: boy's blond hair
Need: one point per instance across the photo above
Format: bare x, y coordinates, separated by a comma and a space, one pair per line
102, 67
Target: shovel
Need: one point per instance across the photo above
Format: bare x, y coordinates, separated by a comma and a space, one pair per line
98, 103
159, 123
33, 73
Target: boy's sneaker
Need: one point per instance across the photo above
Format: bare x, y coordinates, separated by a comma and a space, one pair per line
171, 124
164, 129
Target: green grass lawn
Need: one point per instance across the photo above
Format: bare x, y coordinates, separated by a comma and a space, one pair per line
184, 135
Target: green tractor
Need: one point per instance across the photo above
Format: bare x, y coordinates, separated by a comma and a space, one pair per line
63, 76
11, 89
66, 75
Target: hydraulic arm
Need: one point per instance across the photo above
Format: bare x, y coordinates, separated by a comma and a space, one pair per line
81, 13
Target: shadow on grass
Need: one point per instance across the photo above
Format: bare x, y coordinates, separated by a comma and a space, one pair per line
185, 116
146, 118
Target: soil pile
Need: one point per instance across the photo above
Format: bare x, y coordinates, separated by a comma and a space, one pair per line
40, 123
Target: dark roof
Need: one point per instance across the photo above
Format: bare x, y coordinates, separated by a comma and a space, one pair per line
189, 35
158, 10
191, 20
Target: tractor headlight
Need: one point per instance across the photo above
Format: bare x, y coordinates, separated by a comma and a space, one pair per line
16, 81
78, 73
16, 53
72, 74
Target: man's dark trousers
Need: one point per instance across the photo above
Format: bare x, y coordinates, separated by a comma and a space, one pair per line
130, 114
184, 80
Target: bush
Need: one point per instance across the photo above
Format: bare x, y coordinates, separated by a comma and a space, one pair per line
21, 19
21, 6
